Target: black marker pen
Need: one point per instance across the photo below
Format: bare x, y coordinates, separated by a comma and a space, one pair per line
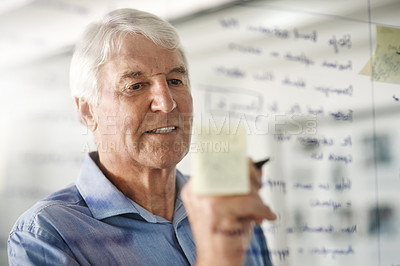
259, 164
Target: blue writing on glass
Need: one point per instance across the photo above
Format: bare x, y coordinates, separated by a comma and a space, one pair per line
299, 82
276, 184
301, 58
340, 158
330, 204
339, 91
273, 32
342, 116
305, 36
282, 254
344, 41
233, 72
333, 252
244, 48
229, 23
339, 66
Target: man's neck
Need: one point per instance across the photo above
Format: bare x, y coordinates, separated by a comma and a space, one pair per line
153, 189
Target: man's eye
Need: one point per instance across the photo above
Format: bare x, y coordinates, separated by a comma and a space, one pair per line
136, 86
175, 82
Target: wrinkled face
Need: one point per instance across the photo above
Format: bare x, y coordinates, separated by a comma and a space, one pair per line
144, 115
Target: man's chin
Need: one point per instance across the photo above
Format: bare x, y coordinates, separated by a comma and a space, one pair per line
162, 164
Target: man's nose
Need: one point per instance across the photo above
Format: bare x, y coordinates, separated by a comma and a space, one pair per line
162, 98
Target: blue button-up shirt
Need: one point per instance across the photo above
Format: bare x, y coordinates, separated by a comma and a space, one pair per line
93, 223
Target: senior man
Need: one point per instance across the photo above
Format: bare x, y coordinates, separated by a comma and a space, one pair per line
129, 78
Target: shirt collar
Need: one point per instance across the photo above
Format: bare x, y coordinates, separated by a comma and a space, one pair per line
105, 200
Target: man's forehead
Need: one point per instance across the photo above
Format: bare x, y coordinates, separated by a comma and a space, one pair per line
151, 59
135, 68
139, 55
141, 45
148, 64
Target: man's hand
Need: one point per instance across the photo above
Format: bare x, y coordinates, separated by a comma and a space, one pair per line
222, 225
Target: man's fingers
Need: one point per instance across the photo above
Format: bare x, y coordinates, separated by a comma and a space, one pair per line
243, 207
251, 207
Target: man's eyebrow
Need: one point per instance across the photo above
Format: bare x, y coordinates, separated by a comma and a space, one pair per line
131, 74
180, 70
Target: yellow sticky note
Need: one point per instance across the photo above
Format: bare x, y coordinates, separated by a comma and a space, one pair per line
384, 65
221, 166
367, 69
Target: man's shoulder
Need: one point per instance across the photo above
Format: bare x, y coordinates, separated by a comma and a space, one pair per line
55, 207
68, 195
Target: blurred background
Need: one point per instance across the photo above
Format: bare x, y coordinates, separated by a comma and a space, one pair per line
288, 71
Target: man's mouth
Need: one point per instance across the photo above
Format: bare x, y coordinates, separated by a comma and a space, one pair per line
162, 130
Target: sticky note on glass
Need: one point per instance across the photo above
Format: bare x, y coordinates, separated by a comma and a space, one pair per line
384, 65
219, 162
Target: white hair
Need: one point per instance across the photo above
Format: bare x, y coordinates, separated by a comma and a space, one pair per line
104, 37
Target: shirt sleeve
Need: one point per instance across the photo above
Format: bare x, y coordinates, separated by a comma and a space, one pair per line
259, 233
258, 253
37, 248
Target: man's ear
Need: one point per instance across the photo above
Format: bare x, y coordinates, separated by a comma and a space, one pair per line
85, 110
